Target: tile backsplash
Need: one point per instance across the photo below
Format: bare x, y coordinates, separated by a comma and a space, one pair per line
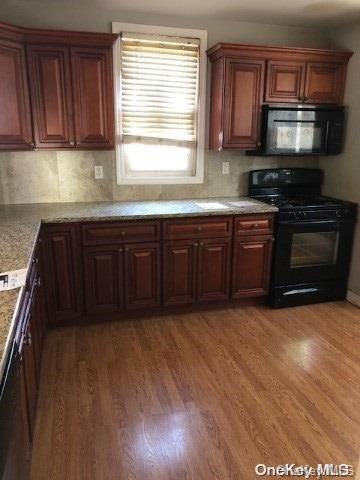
65, 176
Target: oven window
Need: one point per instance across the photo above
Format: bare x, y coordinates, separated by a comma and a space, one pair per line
314, 249
298, 136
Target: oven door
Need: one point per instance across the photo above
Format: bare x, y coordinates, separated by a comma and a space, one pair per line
312, 251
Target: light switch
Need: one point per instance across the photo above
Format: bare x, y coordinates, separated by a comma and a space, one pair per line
225, 168
99, 172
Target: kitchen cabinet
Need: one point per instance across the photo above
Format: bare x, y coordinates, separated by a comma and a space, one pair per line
325, 82
103, 279
51, 93
71, 83
305, 82
235, 104
142, 276
180, 272
244, 77
251, 265
14, 426
285, 81
62, 272
214, 269
15, 117
93, 97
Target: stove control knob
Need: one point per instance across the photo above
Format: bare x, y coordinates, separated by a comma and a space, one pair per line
339, 213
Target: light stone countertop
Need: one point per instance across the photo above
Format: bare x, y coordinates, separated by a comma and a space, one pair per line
20, 224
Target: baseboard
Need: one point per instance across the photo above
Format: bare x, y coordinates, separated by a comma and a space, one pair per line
353, 298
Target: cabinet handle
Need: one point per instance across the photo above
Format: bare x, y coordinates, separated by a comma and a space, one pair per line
123, 234
28, 339
259, 144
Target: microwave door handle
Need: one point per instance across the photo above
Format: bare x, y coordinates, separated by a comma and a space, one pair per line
327, 135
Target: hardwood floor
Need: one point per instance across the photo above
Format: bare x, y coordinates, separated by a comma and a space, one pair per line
200, 396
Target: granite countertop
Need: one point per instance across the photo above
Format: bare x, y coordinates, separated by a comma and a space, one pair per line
19, 227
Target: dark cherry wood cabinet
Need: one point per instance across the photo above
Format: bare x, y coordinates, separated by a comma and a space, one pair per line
70, 76
103, 279
244, 83
214, 269
244, 77
93, 97
285, 81
51, 94
251, 265
236, 95
325, 82
142, 275
62, 272
180, 272
15, 117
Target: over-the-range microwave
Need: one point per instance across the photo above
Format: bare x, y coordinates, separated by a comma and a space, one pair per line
301, 130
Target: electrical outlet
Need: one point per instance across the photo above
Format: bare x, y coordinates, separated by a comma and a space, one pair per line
99, 172
225, 168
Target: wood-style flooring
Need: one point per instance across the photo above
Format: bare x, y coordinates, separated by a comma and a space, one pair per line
200, 396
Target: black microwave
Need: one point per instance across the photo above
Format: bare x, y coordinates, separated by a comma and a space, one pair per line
297, 130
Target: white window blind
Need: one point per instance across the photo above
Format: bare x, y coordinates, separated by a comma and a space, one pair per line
159, 104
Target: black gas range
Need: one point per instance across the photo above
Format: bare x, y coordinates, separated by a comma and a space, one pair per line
313, 239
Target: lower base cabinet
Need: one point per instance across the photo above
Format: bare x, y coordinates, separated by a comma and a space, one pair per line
103, 279
121, 277
251, 266
138, 265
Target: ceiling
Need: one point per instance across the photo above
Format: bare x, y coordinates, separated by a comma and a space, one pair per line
287, 12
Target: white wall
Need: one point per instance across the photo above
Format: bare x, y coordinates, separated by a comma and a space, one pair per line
342, 172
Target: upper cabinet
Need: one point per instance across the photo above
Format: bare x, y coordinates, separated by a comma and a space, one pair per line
93, 97
15, 119
71, 89
50, 82
245, 77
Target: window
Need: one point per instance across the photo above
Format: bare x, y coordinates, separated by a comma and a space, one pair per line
160, 104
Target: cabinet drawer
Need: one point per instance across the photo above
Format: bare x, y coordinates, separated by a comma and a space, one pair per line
252, 225
198, 228
111, 233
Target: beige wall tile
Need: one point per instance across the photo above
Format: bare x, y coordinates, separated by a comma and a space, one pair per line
29, 177
77, 179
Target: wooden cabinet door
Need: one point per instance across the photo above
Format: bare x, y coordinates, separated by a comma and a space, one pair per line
325, 82
214, 270
15, 118
285, 81
251, 266
244, 83
142, 275
50, 82
62, 273
103, 279
93, 97
30, 374
179, 278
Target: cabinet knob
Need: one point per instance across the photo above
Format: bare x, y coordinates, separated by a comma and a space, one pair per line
259, 144
199, 228
201, 244
72, 143
195, 244
123, 234
256, 225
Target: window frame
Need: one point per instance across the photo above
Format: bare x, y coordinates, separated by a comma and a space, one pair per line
121, 177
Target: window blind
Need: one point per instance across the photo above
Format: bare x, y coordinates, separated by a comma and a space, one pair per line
159, 89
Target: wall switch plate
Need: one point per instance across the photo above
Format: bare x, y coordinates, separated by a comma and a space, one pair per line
99, 172
225, 168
